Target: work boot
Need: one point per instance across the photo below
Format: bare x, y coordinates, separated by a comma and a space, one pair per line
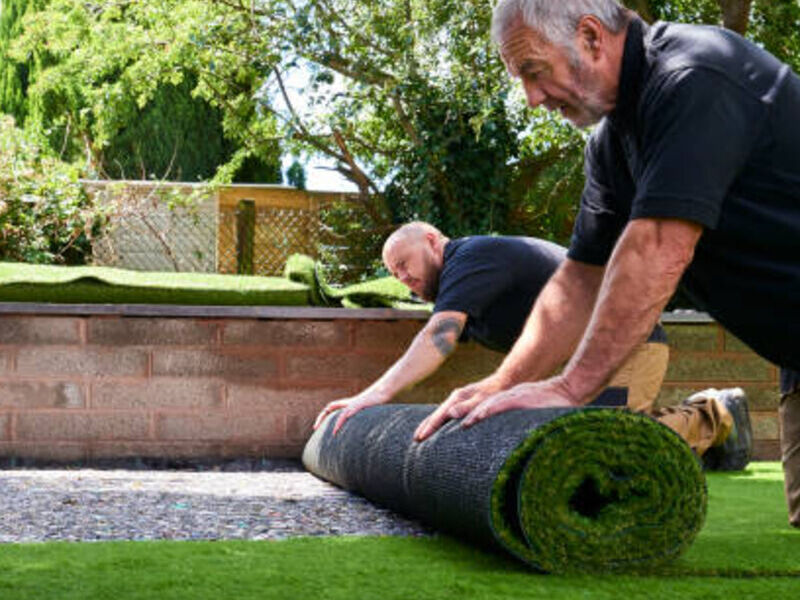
735, 451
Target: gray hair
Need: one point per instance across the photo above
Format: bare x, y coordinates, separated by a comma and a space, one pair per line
557, 20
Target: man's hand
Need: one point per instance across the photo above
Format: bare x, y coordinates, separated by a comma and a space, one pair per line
550, 393
350, 407
460, 402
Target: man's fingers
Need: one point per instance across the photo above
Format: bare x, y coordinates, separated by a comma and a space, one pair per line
343, 416
492, 405
449, 409
321, 417
437, 417
430, 424
459, 410
329, 408
481, 411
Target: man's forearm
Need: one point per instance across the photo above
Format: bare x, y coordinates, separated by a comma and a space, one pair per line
642, 275
430, 348
555, 326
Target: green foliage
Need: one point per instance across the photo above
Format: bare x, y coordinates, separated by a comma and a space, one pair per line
683, 11
123, 89
547, 179
408, 98
456, 178
350, 243
45, 214
13, 75
296, 175
413, 94
776, 25
254, 169
174, 137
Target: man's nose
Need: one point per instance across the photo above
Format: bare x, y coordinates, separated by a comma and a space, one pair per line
534, 94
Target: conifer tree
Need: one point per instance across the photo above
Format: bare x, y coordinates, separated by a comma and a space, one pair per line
13, 75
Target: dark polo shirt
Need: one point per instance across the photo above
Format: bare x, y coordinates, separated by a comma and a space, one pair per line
495, 281
707, 129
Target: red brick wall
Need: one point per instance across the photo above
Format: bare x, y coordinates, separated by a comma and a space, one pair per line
102, 387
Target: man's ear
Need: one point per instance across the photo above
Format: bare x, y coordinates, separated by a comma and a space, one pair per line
432, 240
591, 36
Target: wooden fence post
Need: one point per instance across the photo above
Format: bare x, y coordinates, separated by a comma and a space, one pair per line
245, 236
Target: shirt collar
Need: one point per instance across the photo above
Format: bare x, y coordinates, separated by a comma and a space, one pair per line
630, 79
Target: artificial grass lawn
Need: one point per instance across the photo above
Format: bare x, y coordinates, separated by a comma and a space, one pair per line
746, 550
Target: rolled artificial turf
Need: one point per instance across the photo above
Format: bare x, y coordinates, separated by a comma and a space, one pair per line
374, 293
564, 490
21, 282
302, 285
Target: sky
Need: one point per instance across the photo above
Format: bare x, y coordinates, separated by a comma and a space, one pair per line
320, 175
321, 179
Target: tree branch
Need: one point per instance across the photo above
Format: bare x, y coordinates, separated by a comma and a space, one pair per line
345, 67
326, 7
405, 122
356, 174
306, 134
736, 14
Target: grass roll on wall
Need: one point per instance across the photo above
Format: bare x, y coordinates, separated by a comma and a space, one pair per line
564, 490
20, 282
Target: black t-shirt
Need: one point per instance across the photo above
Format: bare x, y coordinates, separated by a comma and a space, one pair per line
707, 129
495, 281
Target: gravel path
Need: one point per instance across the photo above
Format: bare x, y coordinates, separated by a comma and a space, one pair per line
85, 504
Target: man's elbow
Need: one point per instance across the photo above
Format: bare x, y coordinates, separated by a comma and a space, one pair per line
667, 243
444, 331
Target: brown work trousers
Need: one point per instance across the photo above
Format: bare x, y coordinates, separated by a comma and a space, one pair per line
790, 452
702, 421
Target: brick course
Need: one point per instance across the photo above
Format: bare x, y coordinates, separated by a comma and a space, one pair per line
210, 363
313, 334
116, 331
97, 387
158, 393
42, 394
39, 330
81, 361
70, 426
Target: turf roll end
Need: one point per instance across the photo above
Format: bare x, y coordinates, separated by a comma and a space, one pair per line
598, 491
564, 490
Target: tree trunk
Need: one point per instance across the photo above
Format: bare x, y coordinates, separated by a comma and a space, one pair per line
736, 14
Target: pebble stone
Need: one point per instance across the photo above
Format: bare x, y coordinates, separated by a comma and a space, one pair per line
272, 503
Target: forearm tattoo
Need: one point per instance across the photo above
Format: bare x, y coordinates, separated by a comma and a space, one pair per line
445, 335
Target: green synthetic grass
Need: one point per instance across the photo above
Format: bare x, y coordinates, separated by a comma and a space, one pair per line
746, 531
648, 520
105, 285
20, 282
746, 550
380, 292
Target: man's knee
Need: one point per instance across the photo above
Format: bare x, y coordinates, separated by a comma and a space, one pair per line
642, 375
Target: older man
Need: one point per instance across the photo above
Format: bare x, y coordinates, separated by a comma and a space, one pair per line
484, 288
692, 175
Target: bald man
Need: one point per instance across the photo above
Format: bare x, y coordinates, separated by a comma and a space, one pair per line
484, 289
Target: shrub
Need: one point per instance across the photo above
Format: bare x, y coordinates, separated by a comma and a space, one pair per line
45, 214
